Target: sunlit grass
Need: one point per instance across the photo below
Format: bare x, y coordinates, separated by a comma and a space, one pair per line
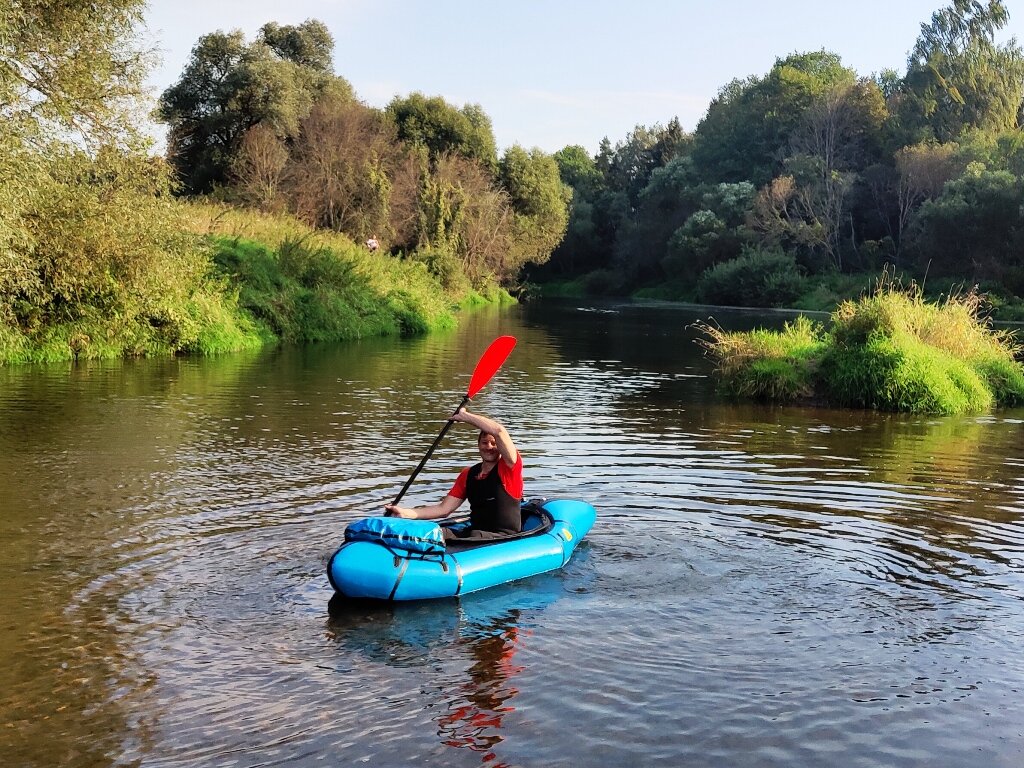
767, 365
890, 350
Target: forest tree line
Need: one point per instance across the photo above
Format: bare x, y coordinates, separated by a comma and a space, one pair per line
806, 171
813, 169
266, 123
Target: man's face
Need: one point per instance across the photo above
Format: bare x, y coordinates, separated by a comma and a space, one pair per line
488, 447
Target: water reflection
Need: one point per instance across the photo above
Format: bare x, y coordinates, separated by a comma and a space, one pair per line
471, 643
474, 721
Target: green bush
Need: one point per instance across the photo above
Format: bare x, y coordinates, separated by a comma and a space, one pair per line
446, 267
902, 374
307, 292
890, 350
768, 365
758, 278
602, 282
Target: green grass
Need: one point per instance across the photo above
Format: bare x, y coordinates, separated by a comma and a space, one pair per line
767, 365
559, 289
891, 350
239, 280
309, 293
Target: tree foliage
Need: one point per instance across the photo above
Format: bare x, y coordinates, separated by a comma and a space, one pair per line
443, 128
309, 45
975, 228
748, 128
71, 68
958, 79
89, 237
229, 86
539, 202
341, 163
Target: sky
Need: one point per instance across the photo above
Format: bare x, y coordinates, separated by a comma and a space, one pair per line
550, 73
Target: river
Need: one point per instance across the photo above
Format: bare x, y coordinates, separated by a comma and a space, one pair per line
765, 586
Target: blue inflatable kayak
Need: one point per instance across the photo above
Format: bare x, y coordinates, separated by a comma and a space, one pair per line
389, 558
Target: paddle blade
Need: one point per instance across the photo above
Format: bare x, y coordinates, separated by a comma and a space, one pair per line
490, 361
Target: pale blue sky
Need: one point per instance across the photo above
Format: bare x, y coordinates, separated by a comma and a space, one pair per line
556, 72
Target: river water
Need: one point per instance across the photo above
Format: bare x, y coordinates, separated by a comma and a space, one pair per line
764, 586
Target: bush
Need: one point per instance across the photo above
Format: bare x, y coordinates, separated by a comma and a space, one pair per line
890, 350
758, 278
765, 365
602, 282
307, 292
446, 267
902, 374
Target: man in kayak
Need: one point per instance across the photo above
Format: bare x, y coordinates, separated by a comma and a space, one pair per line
494, 487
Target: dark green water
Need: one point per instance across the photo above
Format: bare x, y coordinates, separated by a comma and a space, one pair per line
764, 586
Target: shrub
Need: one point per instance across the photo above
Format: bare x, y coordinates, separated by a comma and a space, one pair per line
758, 278
602, 282
902, 374
890, 350
765, 365
306, 292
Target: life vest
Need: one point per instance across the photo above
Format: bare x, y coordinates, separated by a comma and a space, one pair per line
491, 507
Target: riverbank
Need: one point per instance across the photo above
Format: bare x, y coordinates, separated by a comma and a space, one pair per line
822, 293
227, 279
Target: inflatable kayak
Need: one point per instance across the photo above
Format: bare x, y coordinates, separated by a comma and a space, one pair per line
389, 558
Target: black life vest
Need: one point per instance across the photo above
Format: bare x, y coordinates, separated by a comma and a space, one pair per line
491, 507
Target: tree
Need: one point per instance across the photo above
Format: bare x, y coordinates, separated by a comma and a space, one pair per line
714, 234
259, 167
781, 217
633, 160
840, 132
442, 128
71, 66
747, 131
975, 227
671, 196
339, 174
539, 202
578, 169
309, 45
580, 248
229, 86
922, 171
958, 79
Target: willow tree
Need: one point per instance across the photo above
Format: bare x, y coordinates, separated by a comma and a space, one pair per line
71, 67
70, 71
958, 78
93, 259
540, 205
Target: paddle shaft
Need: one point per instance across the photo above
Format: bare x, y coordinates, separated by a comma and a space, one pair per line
437, 442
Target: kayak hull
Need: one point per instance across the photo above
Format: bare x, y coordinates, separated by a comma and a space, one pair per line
365, 569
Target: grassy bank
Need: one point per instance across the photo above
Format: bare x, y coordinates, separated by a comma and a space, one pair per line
891, 350
222, 279
304, 285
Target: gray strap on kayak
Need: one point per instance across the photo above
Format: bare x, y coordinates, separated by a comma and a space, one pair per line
458, 572
398, 580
